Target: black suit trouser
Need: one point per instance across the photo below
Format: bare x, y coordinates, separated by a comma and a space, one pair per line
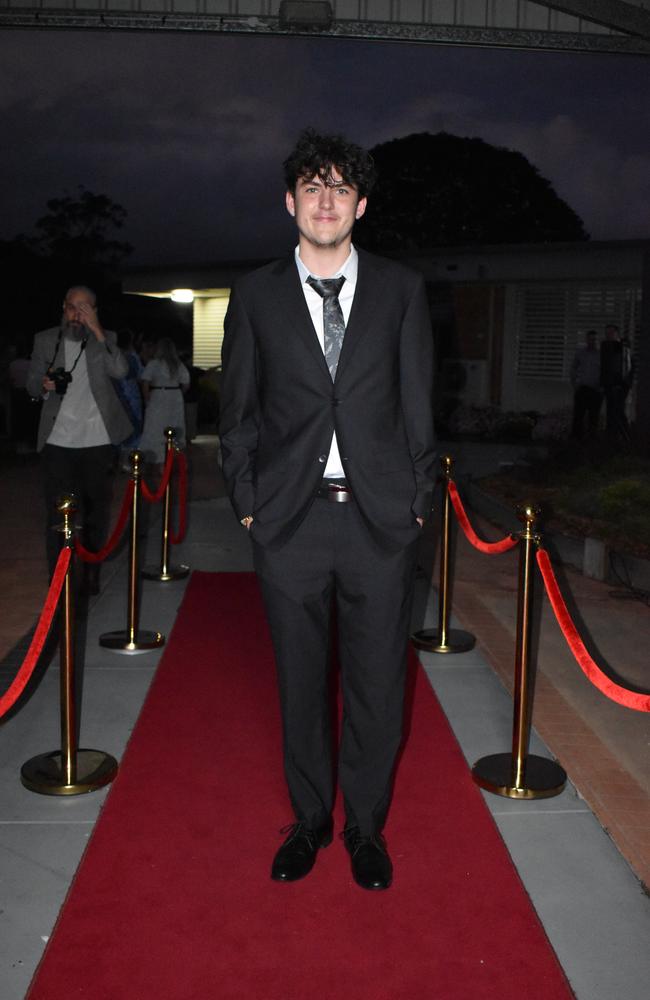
331, 561
586, 402
86, 472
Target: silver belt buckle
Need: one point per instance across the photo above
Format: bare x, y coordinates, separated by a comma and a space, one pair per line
338, 494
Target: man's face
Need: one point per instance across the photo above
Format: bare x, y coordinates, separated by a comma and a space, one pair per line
76, 301
325, 210
611, 333
591, 341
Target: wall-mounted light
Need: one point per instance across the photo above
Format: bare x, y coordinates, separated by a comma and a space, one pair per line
305, 14
182, 295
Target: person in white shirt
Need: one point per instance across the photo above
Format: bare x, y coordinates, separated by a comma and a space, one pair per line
585, 379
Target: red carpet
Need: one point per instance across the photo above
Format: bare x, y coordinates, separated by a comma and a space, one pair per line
173, 899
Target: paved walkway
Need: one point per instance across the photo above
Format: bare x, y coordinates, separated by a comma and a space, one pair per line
603, 746
580, 855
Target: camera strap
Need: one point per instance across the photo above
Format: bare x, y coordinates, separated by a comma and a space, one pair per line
56, 351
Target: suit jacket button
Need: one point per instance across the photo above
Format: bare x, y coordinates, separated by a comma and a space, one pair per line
322, 458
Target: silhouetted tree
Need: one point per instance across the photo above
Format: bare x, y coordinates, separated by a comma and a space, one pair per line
77, 230
72, 244
443, 190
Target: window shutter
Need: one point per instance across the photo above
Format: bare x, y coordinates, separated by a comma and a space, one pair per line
208, 329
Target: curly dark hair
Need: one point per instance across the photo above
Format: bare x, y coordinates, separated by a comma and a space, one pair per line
315, 155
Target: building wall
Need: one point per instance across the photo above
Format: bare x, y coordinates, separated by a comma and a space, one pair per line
507, 319
520, 312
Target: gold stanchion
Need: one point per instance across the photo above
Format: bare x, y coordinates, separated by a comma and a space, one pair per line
443, 639
68, 771
166, 572
520, 775
133, 640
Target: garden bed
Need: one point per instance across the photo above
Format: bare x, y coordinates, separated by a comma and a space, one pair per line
584, 493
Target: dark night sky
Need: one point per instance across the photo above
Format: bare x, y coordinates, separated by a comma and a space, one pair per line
188, 131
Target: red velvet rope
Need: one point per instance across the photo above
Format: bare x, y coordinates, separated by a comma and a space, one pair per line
177, 537
491, 548
631, 699
19, 683
96, 557
167, 471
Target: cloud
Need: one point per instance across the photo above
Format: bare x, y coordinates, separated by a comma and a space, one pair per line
189, 132
606, 185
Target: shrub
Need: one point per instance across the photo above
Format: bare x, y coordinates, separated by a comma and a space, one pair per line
553, 426
490, 423
624, 498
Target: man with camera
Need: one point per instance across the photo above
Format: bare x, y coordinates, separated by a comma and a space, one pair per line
82, 418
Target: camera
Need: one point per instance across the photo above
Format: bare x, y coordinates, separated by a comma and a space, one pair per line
61, 379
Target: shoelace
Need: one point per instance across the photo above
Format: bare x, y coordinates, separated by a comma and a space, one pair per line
353, 840
296, 829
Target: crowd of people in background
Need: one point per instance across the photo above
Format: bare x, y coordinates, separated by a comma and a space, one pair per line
598, 372
20, 413
84, 397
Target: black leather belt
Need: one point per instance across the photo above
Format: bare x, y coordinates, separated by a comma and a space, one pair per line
336, 491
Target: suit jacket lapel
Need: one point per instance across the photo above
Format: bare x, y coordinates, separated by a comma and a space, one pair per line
364, 306
292, 310
293, 314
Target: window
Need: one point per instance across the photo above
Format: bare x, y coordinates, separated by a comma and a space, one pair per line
553, 321
541, 342
208, 329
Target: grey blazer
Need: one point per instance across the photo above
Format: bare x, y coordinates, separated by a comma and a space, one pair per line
105, 362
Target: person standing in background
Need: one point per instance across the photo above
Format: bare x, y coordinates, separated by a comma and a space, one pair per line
129, 391
585, 379
616, 377
164, 380
72, 369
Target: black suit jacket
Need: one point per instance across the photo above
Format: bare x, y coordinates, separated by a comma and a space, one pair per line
279, 406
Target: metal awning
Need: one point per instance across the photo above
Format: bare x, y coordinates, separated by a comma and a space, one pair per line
582, 25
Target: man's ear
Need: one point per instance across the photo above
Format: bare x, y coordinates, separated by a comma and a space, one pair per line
290, 203
361, 207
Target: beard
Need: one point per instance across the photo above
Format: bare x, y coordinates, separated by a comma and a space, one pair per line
73, 330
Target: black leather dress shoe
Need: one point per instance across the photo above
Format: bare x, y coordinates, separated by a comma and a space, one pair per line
371, 865
296, 857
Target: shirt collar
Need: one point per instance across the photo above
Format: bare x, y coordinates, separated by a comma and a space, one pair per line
348, 269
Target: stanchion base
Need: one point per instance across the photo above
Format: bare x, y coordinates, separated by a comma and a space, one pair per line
543, 778
457, 641
172, 573
44, 774
121, 642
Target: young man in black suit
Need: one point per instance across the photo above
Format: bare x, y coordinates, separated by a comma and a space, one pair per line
327, 441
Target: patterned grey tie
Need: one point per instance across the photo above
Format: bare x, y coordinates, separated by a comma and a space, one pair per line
333, 322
